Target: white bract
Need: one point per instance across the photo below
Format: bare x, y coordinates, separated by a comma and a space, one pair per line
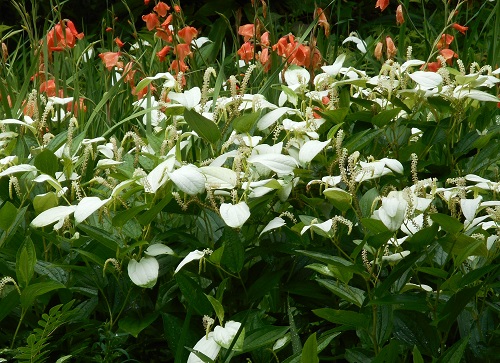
235, 215
191, 256
145, 272
393, 210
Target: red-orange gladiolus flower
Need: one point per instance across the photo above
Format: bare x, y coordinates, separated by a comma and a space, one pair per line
151, 21
400, 19
247, 31
177, 8
246, 52
391, 48
178, 66
119, 42
264, 40
382, 4
460, 28
322, 21
161, 9
146, 2
163, 53
62, 36
378, 50
110, 59
187, 34
182, 51
448, 54
265, 60
445, 41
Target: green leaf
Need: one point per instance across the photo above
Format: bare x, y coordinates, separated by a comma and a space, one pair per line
454, 306
417, 356
193, 293
101, 236
375, 226
148, 216
267, 281
204, 127
336, 116
8, 303
134, 324
43, 202
310, 350
47, 162
261, 337
245, 122
218, 308
424, 237
344, 317
234, 254
389, 353
31, 292
25, 262
8, 214
339, 198
349, 293
366, 202
413, 328
455, 353
123, 217
383, 118
448, 223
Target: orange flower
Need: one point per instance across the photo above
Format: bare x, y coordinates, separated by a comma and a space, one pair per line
146, 2
265, 60
400, 19
264, 39
378, 50
187, 34
182, 51
119, 42
445, 41
432, 67
391, 48
161, 9
128, 73
110, 59
163, 53
178, 66
177, 8
460, 28
151, 21
247, 31
76, 107
246, 52
448, 54
62, 36
382, 4
48, 87
322, 21
108, 29
5, 52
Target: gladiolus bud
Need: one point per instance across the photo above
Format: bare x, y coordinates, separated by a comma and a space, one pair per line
378, 50
382, 4
460, 28
399, 15
5, 52
119, 42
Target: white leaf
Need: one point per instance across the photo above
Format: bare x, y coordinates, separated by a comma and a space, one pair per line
224, 336
158, 249
310, 149
476, 95
191, 256
47, 178
334, 69
277, 222
271, 117
169, 80
469, 207
87, 206
189, 179
296, 75
22, 168
219, 177
52, 215
426, 80
360, 44
108, 163
188, 98
324, 226
206, 345
280, 164
159, 176
12, 121
396, 256
235, 215
145, 272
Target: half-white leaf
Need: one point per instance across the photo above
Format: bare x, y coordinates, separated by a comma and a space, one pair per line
87, 206
189, 179
280, 164
52, 215
310, 149
277, 222
235, 215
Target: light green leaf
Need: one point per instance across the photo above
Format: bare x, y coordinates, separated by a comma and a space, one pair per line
204, 127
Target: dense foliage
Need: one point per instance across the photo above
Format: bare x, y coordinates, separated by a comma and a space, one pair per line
251, 183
